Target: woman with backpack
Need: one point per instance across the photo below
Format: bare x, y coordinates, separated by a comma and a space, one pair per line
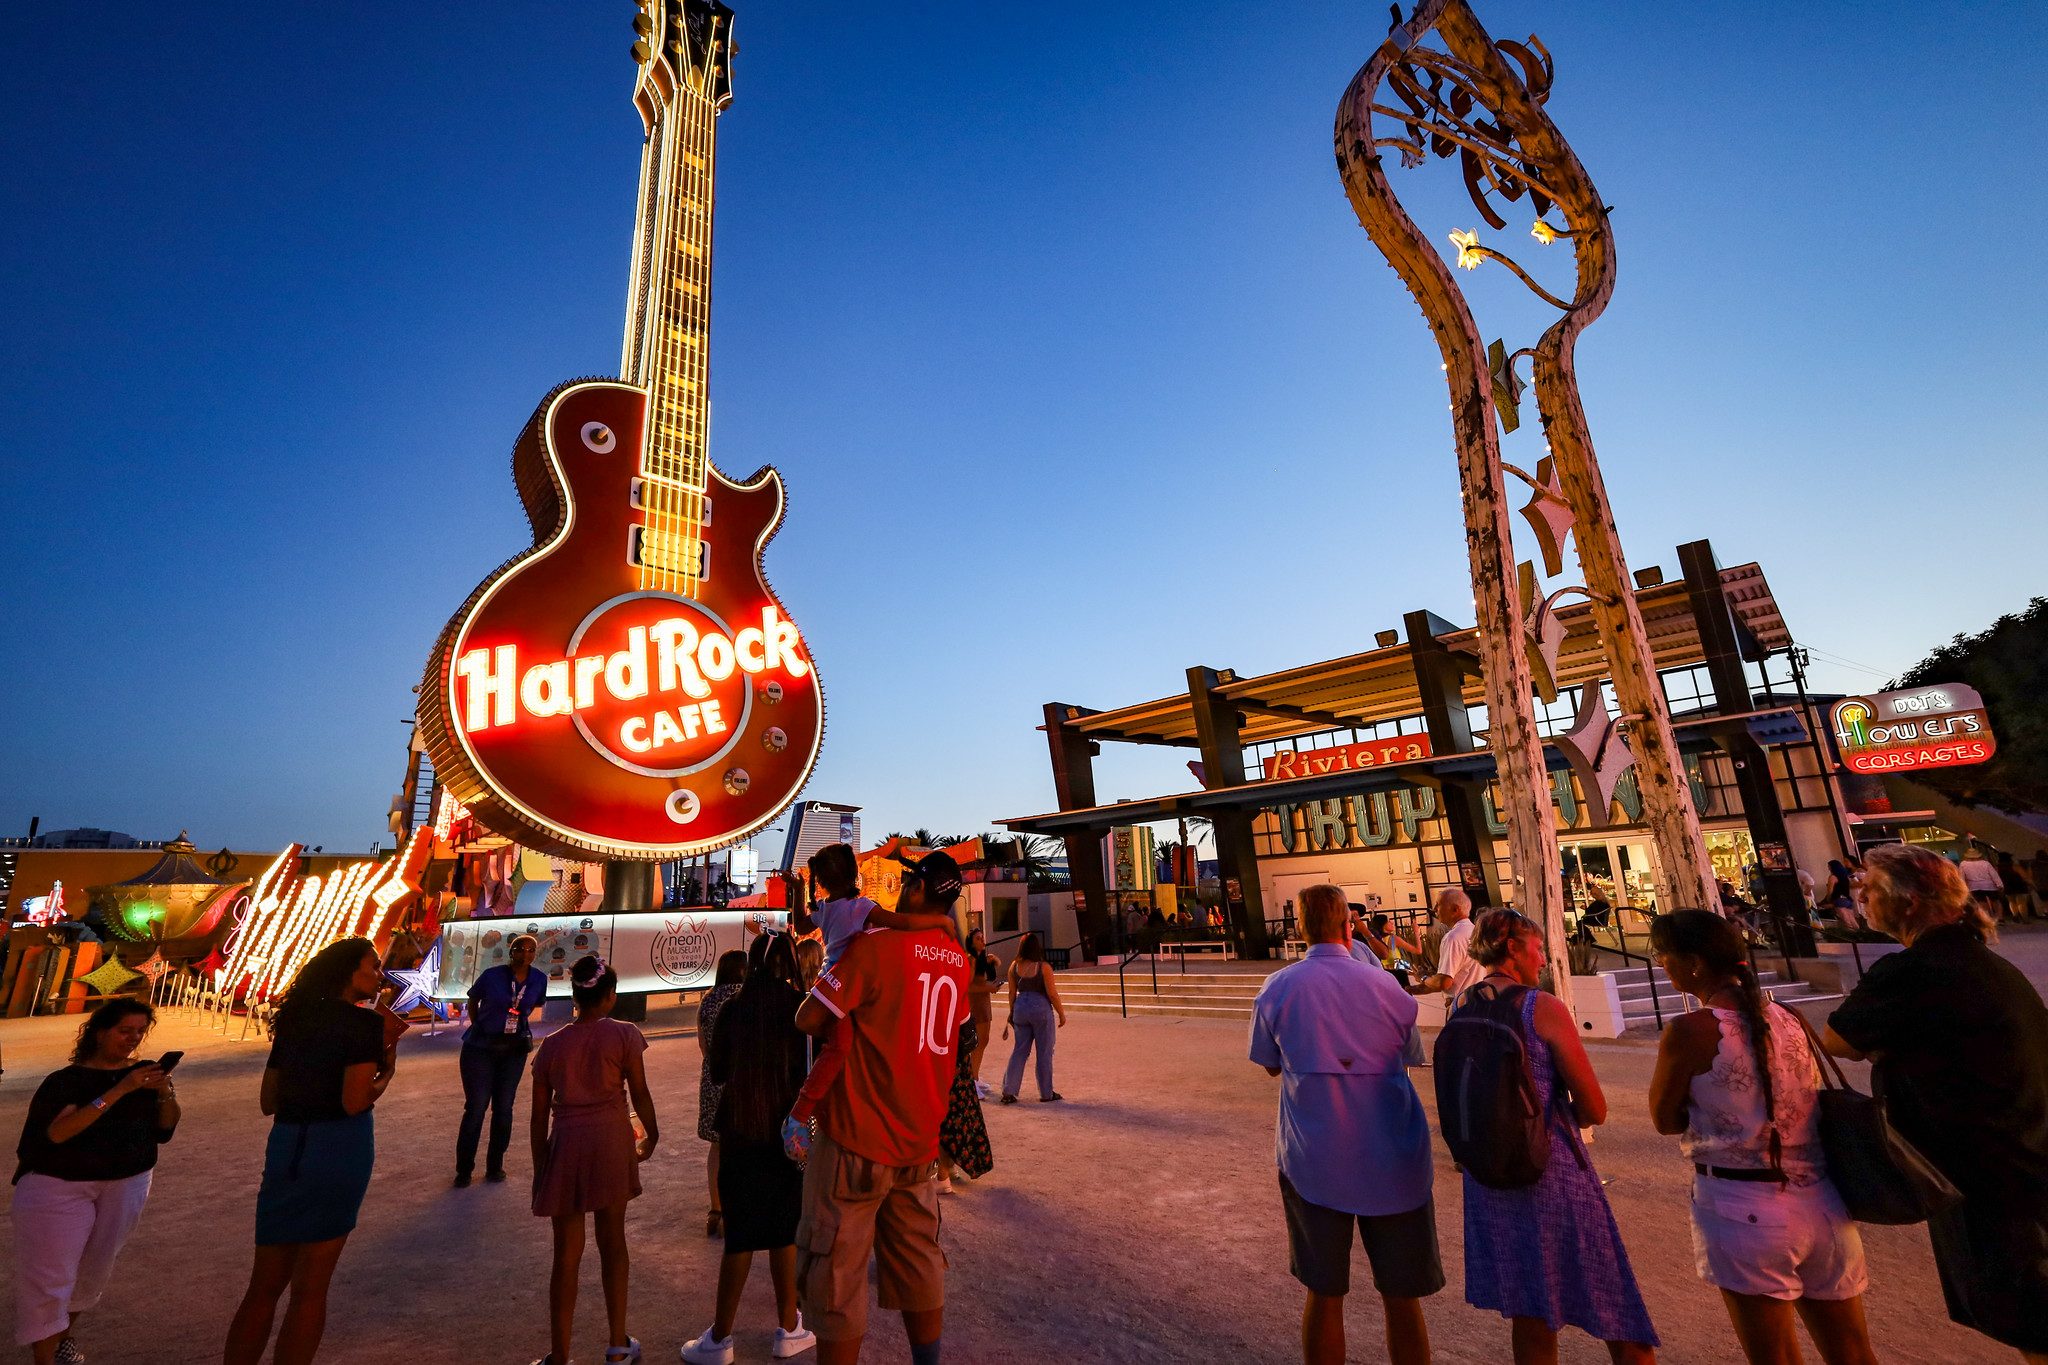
1737, 1081
1543, 1252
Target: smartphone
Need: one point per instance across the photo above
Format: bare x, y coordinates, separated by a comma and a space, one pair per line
169, 1062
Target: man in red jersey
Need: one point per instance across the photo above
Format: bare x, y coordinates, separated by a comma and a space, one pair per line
871, 1184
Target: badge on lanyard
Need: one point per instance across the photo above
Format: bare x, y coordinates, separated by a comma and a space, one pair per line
512, 1010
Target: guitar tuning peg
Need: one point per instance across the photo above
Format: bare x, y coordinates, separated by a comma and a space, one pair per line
641, 53
642, 25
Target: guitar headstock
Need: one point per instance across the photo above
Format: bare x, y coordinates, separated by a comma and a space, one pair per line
686, 45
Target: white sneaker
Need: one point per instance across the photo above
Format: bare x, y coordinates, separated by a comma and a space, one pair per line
709, 1350
983, 1090
795, 1342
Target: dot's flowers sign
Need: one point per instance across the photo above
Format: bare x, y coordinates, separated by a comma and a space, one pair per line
1944, 726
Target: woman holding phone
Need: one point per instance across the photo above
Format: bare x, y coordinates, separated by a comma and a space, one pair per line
87, 1150
330, 1061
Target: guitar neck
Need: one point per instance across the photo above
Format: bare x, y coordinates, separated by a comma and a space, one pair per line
669, 328
668, 313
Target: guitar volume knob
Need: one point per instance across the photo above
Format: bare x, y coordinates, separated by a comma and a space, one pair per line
737, 781
771, 692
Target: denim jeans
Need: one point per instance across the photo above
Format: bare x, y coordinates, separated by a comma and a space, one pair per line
490, 1078
1033, 1024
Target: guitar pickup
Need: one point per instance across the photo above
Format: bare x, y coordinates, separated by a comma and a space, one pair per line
668, 552
640, 502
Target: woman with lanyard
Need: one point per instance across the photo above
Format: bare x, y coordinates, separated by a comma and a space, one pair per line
502, 1004
330, 1061
88, 1148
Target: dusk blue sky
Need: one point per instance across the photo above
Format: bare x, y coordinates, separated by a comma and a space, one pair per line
1056, 321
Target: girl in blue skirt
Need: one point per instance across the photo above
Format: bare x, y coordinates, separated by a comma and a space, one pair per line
330, 1059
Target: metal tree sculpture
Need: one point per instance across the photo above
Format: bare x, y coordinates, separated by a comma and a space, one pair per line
1481, 101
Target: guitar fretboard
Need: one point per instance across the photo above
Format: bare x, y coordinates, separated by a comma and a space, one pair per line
669, 330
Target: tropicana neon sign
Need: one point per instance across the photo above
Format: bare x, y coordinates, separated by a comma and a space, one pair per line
683, 659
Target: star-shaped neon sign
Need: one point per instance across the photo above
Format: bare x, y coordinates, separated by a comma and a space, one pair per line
419, 985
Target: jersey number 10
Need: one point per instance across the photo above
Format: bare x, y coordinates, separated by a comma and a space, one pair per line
936, 1001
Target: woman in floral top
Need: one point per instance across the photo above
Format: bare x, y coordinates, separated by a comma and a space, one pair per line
1737, 1081
732, 970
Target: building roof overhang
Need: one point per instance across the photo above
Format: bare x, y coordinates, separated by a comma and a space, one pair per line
1380, 684
1771, 725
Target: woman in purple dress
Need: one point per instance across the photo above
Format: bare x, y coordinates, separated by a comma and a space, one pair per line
586, 1157
1548, 1255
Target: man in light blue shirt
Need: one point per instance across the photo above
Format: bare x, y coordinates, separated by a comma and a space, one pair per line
1353, 1142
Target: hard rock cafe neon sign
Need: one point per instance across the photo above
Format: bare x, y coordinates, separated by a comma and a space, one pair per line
675, 688
630, 687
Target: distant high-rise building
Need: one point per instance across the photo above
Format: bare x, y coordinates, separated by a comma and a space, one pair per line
814, 824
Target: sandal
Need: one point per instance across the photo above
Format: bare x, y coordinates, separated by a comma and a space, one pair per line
714, 1223
629, 1352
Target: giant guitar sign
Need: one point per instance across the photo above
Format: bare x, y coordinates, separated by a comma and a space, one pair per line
631, 687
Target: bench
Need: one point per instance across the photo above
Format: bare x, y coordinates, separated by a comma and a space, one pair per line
1293, 948
1199, 945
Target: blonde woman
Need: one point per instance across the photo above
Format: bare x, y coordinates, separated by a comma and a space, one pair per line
1958, 1042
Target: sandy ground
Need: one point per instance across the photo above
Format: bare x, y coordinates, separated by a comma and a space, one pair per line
1138, 1221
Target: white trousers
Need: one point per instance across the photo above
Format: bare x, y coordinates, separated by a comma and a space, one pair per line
66, 1236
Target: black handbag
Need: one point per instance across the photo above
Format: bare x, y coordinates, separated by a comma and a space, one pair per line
1882, 1178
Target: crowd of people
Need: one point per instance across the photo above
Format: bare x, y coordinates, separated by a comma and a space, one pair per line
1958, 1041
840, 1090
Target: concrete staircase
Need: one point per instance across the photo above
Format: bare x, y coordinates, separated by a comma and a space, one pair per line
1634, 985
1229, 995
1195, 995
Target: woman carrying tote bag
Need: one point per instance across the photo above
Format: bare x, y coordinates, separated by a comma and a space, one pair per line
1958, 1041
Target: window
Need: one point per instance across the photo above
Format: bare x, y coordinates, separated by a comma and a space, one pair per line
1002, 915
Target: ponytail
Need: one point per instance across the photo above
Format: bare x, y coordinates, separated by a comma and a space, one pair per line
1753, 1015
1719, 947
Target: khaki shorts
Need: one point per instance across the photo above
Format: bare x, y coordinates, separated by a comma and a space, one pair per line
853, 1208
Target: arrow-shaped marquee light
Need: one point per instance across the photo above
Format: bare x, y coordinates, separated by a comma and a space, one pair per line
290, 918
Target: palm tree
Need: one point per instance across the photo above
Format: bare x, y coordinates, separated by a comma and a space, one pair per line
1038, 851
1168, 847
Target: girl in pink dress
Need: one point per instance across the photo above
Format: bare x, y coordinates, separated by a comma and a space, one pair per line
587, 1161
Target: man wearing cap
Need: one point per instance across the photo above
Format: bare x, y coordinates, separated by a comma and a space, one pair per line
893, 1004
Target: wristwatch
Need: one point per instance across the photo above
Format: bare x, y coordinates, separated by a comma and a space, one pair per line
99, 1101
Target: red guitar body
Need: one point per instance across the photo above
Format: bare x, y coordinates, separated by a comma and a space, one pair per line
582, 712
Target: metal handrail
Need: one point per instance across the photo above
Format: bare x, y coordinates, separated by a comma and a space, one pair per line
1123, 1002
1649, 967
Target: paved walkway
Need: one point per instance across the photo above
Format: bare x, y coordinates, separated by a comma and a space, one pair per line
1139, 1221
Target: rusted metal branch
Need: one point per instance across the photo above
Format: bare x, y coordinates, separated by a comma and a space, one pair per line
1485, 99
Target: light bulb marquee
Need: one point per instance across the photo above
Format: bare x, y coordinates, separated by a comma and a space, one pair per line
290, 917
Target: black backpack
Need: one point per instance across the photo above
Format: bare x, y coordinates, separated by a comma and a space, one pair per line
1485, 1095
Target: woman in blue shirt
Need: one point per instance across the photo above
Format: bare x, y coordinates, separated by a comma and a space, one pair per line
502, 1004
